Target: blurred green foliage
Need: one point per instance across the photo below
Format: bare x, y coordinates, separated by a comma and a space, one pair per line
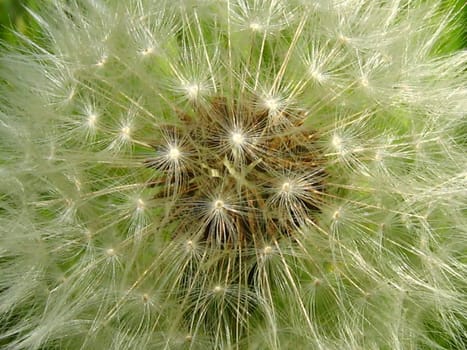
457, 39
15, 17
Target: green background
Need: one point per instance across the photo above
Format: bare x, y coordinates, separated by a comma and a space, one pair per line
14, 17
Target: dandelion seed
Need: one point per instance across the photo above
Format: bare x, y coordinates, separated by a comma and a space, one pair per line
286, 187
218, 290
192, 90
337, 143
145, 298
317, 75
343, 39
337, 215
297, 197
256, 27
272, 104
102, 61
91, 120
147, 51
189, 245
364, 82
241, 145
173, 153
140, 205
124, 136
110, 252
125, 132
218, 205
237, 138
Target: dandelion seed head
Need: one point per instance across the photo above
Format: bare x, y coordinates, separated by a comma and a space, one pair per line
197, 169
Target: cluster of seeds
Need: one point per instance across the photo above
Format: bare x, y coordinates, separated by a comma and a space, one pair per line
236, 172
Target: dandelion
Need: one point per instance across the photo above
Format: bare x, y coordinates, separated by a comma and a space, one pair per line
241, 174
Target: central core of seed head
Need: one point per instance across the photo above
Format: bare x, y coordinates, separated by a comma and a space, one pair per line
237, 138
242, 174
174, 153
218, 204
286, 187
